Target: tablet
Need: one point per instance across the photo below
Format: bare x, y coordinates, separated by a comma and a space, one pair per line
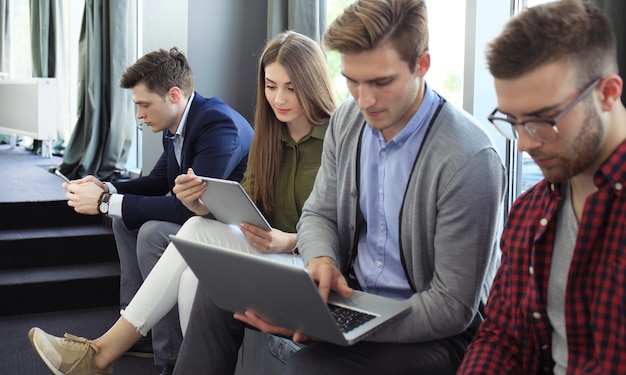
229, 203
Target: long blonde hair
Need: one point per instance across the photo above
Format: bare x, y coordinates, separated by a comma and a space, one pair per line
304, 62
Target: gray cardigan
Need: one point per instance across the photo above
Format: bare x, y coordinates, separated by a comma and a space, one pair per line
449, 219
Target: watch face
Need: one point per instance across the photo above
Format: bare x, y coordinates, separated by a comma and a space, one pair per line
104, 207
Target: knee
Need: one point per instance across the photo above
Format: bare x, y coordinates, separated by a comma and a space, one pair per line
150, 240
153, 237
192, 226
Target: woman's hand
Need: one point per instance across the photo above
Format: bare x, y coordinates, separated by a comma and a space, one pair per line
188, 189
274, 241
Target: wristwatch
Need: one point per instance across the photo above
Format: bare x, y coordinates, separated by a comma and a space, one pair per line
103, 206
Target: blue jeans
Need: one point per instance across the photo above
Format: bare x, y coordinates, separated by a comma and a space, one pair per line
213, 339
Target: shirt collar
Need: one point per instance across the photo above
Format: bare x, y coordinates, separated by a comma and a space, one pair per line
420, 118
318, 132
613, 170
612, 173
180, 131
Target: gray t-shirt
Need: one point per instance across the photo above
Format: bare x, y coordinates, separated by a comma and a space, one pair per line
564, 243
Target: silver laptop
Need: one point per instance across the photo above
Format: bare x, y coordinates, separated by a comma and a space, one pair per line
284, 294
229, 203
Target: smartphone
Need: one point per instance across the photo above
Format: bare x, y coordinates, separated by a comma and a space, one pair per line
58, 173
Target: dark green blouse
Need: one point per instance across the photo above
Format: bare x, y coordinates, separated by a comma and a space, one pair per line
298, 168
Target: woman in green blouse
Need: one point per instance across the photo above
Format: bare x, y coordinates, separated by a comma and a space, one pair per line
294, 103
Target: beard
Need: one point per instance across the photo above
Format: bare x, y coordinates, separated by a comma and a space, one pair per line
584, 149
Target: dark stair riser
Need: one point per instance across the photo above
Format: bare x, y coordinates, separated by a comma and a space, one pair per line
52, 258
59, 295
56, 251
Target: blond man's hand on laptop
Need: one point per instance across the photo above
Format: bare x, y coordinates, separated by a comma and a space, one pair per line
328, 277
189, 189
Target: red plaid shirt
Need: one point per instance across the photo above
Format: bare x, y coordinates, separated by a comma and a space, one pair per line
515, 337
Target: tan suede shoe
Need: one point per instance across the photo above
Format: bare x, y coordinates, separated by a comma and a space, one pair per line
70, 355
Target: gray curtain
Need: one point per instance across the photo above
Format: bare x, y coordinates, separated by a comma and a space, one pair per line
42, 36
616, 11
4, 36
101, 139
307, 17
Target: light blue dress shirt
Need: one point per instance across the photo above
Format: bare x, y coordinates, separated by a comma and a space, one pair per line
385, 169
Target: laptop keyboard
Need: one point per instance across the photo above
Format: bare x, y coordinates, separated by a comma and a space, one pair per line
348, 319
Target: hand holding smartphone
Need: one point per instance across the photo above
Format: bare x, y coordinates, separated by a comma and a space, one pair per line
58, 173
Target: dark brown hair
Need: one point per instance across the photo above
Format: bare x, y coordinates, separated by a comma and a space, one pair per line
160, 71
564, 30
304, 62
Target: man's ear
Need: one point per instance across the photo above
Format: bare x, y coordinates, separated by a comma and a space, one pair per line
174, 94
611, 91
422, 64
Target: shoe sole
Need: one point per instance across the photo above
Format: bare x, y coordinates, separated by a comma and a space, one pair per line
43, 358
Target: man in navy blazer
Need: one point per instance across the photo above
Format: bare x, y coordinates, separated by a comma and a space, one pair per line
204, 134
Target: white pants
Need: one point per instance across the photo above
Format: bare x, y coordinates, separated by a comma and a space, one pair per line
171, 281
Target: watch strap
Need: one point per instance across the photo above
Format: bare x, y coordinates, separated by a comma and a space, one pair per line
104, 198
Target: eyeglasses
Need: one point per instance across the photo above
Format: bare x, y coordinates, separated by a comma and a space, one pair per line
541, 129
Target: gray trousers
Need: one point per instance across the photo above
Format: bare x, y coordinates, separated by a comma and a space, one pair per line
213, 339
139, 250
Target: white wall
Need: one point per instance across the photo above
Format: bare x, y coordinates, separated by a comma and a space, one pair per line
222, 40
162, 24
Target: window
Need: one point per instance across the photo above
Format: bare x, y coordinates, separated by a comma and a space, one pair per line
446, 23
530, 172
334, 8
21, 64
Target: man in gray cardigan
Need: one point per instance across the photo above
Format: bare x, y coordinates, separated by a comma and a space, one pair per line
406, 204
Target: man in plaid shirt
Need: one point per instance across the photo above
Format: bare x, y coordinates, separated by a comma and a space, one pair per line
558, 304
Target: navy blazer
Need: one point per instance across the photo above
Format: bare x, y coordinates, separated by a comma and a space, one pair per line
217, 142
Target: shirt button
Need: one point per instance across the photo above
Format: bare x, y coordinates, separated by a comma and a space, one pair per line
618, 186
545, 347
379, 264
382, 228
536, 315
383, 153
543, 222
531, 270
